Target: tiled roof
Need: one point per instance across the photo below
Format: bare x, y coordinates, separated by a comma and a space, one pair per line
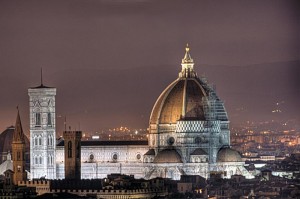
199, 151
41, 86
150, 152
109, 143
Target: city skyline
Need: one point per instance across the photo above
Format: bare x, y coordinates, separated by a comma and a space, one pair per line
149, 99
105, 80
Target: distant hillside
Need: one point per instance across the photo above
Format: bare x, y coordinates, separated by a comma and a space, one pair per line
257, 89
126, 97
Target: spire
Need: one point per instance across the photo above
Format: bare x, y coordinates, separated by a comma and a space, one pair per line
42, 85
41, 76
187, 64
18, 135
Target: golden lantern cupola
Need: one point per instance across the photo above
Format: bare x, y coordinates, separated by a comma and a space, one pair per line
187, 65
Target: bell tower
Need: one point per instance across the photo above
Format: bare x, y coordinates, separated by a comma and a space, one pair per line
18, 152
42, 132
72, 142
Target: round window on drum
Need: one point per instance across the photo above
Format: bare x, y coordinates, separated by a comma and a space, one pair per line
171, 140
92, 157
115, 157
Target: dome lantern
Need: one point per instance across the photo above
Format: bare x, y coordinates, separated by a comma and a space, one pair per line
187, 65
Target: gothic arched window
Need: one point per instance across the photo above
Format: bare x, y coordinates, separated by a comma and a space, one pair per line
51, 140
40, 140
49, 122
38, 119
69, 149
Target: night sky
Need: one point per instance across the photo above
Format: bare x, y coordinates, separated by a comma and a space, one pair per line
110, 59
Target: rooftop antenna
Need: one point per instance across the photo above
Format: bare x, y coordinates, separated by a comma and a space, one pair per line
12, 124
41, 76
65, 123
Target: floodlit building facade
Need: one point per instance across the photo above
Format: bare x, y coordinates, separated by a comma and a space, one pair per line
42, 132
188, 134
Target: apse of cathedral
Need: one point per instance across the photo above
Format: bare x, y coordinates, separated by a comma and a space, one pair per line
188, 135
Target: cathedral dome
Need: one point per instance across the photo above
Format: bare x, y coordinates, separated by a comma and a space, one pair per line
171, 105
228, 155
183, 98
6, 138
168, 156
